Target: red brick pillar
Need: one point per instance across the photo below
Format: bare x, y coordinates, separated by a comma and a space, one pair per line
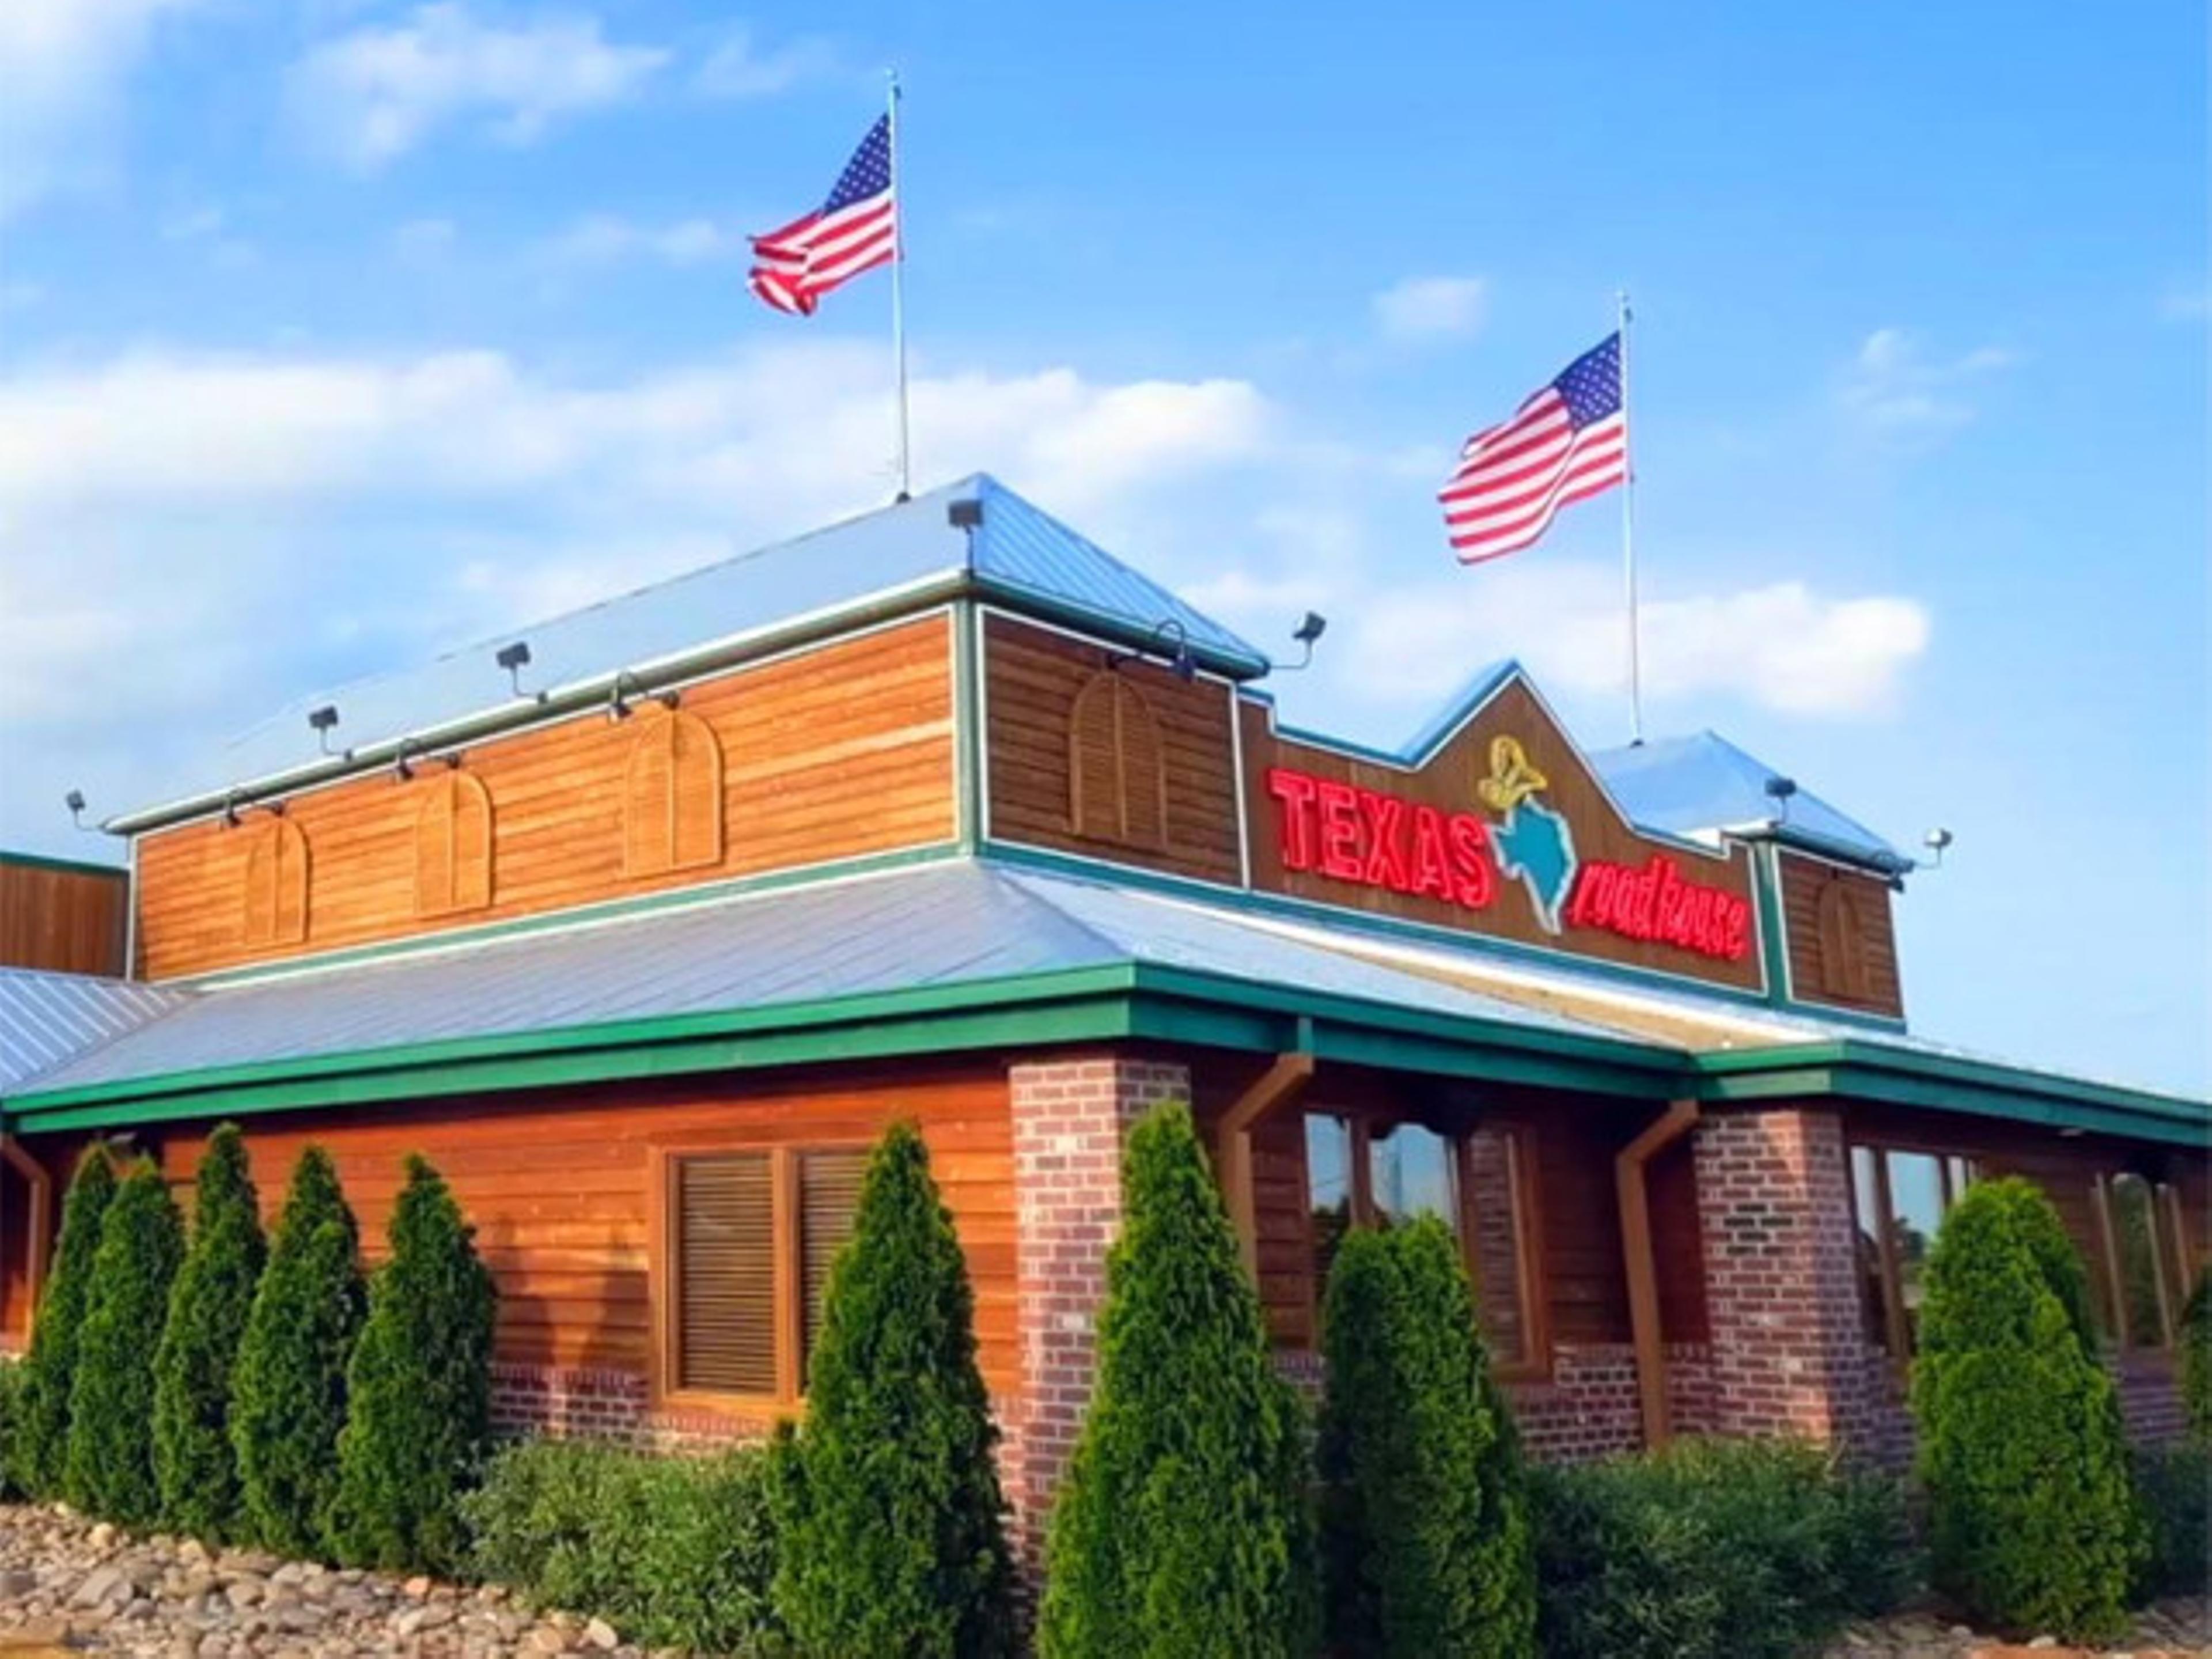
1774, 1207
1069, 1116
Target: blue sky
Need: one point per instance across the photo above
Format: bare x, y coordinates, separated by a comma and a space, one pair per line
334, 331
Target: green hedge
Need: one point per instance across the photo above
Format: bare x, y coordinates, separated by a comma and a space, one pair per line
2173, 1490
674, 1552
1713, 1549
108, 1465
2197, 1360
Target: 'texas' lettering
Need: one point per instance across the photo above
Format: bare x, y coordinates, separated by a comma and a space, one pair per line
1378, 839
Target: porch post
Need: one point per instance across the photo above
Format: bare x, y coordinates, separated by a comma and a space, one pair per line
1677, 1120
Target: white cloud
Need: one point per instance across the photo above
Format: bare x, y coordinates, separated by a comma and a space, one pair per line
1781, 646
604, 239
741, 68
372, 95
63, 66
1895, 390
1427, 309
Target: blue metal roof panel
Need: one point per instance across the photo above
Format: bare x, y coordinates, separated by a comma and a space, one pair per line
1703, 783
48, 1019
942, 924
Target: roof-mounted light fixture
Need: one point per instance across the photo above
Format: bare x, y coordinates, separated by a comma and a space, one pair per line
323, 720
515, 659
1310, 627
402, 767
1181, 659
75, 801
627, 686
1779, 790
231, 800
965, 515
1936, 841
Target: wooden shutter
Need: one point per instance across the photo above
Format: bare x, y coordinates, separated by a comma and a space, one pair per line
452, 845
672, 797
275, 893
828, 1195
1117, 764
723, 1252
1842, 933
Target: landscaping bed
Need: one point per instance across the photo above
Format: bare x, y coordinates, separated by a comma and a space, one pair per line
2181, 1625
67, 1583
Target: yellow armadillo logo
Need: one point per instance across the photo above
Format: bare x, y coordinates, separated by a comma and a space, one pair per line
1512, 777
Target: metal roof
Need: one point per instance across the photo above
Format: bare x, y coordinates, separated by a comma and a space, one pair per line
897, 556
952, 923
1703, 783
47, 1019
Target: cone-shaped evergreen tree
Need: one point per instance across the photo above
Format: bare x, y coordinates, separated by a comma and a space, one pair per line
2031, 1522
109, 1471
1425, 1516
2197, 1360
193, 1461
418, 1390
891, 1525
288, 1391
1183, 1529
40, 1448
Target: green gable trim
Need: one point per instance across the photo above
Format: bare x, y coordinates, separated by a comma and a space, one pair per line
62, 867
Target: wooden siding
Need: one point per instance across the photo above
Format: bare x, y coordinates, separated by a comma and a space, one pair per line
1448, 783
842, 751
555, 1186
1035, 679
1842, 942
63, 919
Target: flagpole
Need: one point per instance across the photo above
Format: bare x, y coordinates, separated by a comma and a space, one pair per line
898, 292
1628, 536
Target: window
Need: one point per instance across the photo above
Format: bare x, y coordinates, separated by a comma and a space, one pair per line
2145, 1259
1899, 1197
1117, 768
452, 845
1480, 1184
672, 797
745, 1242
276, 895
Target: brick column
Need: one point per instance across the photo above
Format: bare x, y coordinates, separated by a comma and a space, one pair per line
1774, 1208
1068, 1117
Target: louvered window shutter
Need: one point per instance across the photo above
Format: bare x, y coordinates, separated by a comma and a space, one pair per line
829, 1195
472, 843
724, 1244
696, 765
275, 899
1842, 937
435, 850
1117, 764
1144, 772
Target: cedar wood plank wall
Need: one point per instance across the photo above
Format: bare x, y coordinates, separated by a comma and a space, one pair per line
1031, 677
65, 921
555, 1186
1814, 977
843, 749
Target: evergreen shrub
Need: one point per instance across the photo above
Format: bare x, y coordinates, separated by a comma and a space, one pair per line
13, 1375
2197, 1360
194, 1463
891, 1525
289, 1393
1183, 1529
40, 1450
418, 1390
2032, 1523
673, 1552
109, 1468
1424, 1520
2174, 1489
1713, 1549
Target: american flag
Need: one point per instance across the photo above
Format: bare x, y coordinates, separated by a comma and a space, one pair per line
855, 230
1566, 443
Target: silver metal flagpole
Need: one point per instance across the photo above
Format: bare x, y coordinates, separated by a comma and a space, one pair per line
1628, 536
898, 294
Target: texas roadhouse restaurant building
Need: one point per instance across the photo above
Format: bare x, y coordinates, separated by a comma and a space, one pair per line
643, 923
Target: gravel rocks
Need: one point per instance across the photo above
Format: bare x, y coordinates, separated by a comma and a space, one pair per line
69, 1586
2180, 1629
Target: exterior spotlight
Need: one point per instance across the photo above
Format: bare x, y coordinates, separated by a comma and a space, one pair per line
1310, 627
75, 801
322, 720
1184, 664
626, 686
1936, 841
515, 659
402, 767
1779, 790
230, 805
964, 516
